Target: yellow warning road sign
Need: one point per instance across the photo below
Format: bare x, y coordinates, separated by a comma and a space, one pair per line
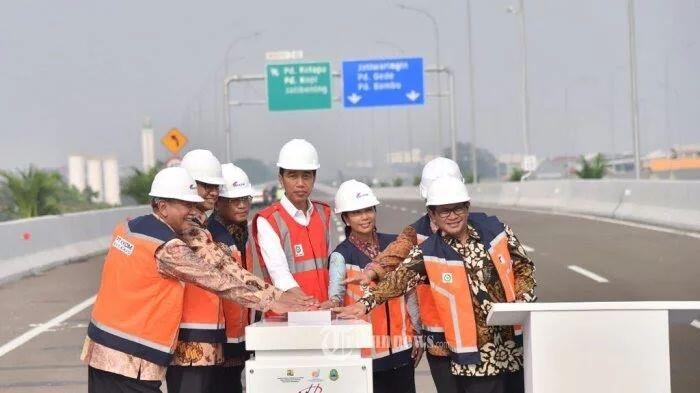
174, 140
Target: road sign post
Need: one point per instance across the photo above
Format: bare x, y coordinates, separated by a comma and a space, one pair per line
174, 140
383, 82
298, 86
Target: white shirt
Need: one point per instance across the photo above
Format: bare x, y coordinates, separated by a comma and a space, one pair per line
271, 246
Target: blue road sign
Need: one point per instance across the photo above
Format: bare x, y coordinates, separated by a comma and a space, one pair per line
383, 82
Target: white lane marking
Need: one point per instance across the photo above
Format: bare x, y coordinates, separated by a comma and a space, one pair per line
414, 211
695, 324
528, 248
588, 273
339, 228
33, 332
403, 208
341, 238
649, 227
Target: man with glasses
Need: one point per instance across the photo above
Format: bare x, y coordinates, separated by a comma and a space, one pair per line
474, 254
229, 225
202, 330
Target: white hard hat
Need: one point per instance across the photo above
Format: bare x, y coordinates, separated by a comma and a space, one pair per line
203, 166
446, 190
438, 167
175, 183
354, 195
236, 183
298, 154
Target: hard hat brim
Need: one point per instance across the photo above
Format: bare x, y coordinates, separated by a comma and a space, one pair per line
298, 167
219, 181
186, 198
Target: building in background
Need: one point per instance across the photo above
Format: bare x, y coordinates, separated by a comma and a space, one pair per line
100, 174
148, 156
76, 172
678, 162
112, 191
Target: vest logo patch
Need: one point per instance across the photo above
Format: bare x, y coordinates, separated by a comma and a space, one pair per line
501, 259
298, 250
122, 245
447, 278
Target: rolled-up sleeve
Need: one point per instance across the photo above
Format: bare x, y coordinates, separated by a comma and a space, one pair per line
274, 257
336, 266
202, 263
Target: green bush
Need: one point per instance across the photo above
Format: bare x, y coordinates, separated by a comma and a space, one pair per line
516, 174
593, 169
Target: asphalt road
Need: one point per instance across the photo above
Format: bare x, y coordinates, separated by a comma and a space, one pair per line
638, 264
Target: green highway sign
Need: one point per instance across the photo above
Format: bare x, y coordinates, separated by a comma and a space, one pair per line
299, 86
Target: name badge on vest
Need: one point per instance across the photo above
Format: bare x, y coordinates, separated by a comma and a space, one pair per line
447, 278
122, 245
298, 250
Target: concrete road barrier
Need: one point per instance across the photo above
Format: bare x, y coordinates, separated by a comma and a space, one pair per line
34, 244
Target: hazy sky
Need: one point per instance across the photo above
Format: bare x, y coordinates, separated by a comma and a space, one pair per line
80, 76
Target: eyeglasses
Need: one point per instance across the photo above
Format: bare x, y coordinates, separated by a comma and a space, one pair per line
237, 201
459, 211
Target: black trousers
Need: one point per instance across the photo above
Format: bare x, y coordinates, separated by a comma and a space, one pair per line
504, 383
105, 382
228, 379
190, 379
397, 380
441, 371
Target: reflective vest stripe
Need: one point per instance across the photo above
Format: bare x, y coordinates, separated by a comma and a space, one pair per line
202, 326
453, 310
131, 337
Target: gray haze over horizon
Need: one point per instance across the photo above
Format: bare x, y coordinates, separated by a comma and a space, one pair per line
81, 76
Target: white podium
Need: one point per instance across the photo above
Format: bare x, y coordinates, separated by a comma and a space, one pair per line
308, 357
596, 347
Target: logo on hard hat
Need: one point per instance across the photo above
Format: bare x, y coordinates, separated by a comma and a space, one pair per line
193, 187
361, 195
238, 184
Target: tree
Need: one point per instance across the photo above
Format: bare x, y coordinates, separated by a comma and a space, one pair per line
397, 182
593, 169
256, 170
516, 174
33, 192
486, 162
138, 185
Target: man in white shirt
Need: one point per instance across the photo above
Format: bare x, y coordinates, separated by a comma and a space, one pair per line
291, 237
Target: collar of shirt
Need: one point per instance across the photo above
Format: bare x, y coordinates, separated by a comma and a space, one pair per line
298, 215
369, 248
163, 221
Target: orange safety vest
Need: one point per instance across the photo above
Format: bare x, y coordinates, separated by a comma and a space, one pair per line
235, 315
306, 247
450, 285
433, 331
391, 323
137, 310
202, 316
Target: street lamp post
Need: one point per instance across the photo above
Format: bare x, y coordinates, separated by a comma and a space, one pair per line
634, 101
472, 96
409, 128
227, 114
520, 11
436, 31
